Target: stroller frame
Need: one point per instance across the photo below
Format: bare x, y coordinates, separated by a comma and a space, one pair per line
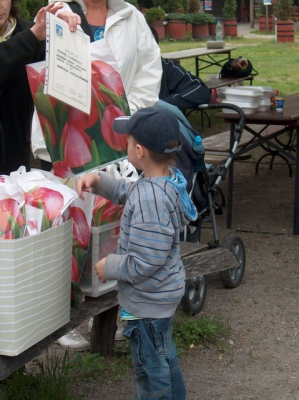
207, 181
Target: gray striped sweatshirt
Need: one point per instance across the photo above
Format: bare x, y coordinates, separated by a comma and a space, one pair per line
147, 266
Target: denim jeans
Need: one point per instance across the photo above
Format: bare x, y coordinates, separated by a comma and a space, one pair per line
154, 357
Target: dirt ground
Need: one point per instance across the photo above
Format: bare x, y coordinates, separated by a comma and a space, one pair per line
263, 310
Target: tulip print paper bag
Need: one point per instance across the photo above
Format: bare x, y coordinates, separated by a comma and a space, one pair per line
78, 142
12, 211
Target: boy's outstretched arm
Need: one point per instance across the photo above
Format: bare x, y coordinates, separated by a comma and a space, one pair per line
87, 182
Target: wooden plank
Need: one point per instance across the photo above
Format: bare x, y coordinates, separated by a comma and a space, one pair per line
215, 159
216, 83
208, 262
221, 141
219, 159
198, 52
188, 248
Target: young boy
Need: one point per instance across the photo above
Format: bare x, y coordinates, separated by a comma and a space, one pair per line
147, 266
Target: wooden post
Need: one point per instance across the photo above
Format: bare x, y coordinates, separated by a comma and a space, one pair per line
104, 328
251, 11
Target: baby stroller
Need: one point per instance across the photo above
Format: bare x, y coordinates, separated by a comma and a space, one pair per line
204, 188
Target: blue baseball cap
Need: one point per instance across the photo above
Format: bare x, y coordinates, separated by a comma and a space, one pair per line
153, 127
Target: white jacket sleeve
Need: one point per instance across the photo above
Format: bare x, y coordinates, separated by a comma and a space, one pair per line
146, 83
137, 55
38, 144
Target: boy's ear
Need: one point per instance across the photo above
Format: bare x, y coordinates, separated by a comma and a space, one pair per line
139, 151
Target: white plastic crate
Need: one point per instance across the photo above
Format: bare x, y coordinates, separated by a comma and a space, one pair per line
103, 241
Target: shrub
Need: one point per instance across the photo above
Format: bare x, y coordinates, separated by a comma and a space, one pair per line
199, 18
155, 14
284, 9
175, 16
169, 6
229, 9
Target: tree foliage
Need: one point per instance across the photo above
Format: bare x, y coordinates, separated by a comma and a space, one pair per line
29, 8
229, 9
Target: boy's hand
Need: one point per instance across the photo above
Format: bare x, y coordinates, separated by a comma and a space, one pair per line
100, 270
87, 182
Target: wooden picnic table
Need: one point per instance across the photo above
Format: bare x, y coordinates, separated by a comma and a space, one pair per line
204, 58
286, 121
198, 260
216, 83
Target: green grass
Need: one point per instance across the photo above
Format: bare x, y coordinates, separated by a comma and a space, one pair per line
47, 380
189, 332
276, 63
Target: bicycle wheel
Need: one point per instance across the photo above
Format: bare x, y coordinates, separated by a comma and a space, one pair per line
195, 295
232, 277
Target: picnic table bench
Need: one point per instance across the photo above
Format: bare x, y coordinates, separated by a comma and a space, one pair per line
217, 146
198, 260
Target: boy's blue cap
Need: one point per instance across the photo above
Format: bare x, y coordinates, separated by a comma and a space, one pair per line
153, 127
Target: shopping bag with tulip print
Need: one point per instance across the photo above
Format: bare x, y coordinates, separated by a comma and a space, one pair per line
12, 210
78, 142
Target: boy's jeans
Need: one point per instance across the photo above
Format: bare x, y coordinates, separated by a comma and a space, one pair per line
154, 357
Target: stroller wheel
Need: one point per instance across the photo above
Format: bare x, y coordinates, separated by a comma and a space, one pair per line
232, 277
194, 298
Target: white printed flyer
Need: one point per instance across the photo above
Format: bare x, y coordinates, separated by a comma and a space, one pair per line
68, 65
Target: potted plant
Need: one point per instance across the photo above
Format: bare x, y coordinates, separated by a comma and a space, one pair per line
155, 18
285, 30
176, 25
263, 17
229, 13
200, 24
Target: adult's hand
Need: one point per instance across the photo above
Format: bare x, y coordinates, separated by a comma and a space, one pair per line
39, 28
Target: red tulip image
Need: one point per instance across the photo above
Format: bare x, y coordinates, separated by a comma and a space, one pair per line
61, 169
75, 270
10, 215
103, 74
105, 211
7, 236
47, 129
80, 119
116, 141
75, 140
34, 79
77, 146
81, 230
49, 200
109, 243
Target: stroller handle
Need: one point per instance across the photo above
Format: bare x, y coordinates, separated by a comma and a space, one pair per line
238, 127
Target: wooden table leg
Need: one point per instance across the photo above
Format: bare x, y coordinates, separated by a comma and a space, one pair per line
103, 332
296, 199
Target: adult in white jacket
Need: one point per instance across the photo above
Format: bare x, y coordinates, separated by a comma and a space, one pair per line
134, 48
